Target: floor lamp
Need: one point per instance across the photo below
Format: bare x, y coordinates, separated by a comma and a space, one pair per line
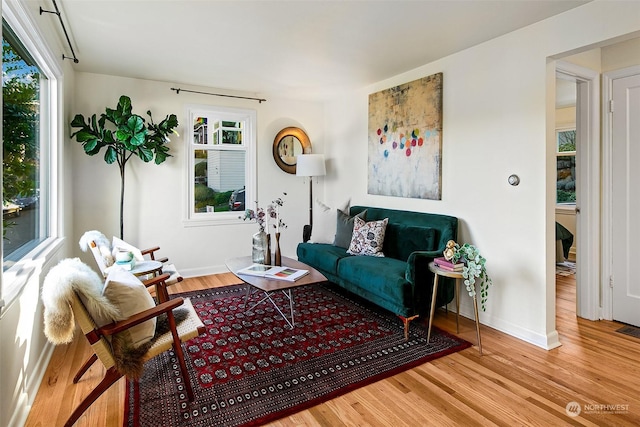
310, 165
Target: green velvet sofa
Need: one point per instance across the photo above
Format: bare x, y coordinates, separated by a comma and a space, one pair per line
400, 281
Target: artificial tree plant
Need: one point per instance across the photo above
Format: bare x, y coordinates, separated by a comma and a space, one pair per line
124, 134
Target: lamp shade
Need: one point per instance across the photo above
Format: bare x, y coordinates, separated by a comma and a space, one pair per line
310, 165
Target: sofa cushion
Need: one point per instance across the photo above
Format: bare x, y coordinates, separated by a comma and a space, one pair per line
324, 222
368, 237
344, 228
383, 277
446, 227
401, 240
321, 256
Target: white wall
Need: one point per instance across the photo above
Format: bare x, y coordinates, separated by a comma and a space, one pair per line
621, 55
155, 194
498, 119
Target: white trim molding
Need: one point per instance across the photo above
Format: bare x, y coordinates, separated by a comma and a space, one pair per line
248, 146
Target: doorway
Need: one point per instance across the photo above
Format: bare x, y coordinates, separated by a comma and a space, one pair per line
585, 206
594, 166
566, 183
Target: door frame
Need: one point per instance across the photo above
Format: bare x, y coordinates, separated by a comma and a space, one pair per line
588, 215
607, 202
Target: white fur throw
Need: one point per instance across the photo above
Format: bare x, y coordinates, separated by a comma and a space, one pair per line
72, 275
103, 245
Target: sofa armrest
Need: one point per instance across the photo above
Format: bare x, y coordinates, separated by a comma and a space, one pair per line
421, 279
419, 257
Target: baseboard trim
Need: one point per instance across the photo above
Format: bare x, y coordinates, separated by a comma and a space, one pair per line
27, 396
547, 341
203, 271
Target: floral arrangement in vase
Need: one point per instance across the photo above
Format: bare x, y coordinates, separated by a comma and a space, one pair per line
273, 212
262, 239
257, 215
474, 269
261, 217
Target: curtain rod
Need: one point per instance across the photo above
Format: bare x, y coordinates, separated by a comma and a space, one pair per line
57, 12
178, 90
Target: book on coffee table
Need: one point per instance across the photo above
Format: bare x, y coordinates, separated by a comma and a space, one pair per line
274, 272
256, 270
286, 273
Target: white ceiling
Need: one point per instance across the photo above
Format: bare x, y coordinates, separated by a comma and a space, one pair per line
294, 48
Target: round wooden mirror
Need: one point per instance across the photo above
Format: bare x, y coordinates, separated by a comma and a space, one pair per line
288, 143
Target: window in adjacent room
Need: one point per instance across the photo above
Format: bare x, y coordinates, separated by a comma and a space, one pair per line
566, 166
221, 168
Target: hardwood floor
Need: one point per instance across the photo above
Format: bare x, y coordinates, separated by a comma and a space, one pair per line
512, 384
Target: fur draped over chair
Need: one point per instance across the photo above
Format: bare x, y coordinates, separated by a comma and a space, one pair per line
110, 313
93, 235
72, 275
103, 246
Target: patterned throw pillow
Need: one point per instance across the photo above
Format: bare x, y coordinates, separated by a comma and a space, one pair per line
368, 237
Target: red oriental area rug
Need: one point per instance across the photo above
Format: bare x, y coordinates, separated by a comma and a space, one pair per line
251, 367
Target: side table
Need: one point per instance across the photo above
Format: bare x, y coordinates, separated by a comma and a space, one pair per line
142, 268
457, 275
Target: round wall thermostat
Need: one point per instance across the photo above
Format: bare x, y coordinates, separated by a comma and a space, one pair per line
514, 179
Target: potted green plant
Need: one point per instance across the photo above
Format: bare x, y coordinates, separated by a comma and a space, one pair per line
474, 269
124, 134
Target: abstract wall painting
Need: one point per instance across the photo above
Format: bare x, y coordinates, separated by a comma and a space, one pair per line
405, 140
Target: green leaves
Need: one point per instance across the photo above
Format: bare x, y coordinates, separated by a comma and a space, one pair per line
121, 114
78, 121
473, 271
124, 133
132, 133
110, 155
145, 154
124, 105
89, 134
169, 123
162, 152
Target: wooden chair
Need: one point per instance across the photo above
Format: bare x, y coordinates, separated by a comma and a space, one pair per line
101, 250
98, 338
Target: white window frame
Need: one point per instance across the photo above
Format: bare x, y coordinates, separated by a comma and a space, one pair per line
192, 218
16, 277
566, 205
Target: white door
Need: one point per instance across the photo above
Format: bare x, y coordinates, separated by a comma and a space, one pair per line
625, 192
